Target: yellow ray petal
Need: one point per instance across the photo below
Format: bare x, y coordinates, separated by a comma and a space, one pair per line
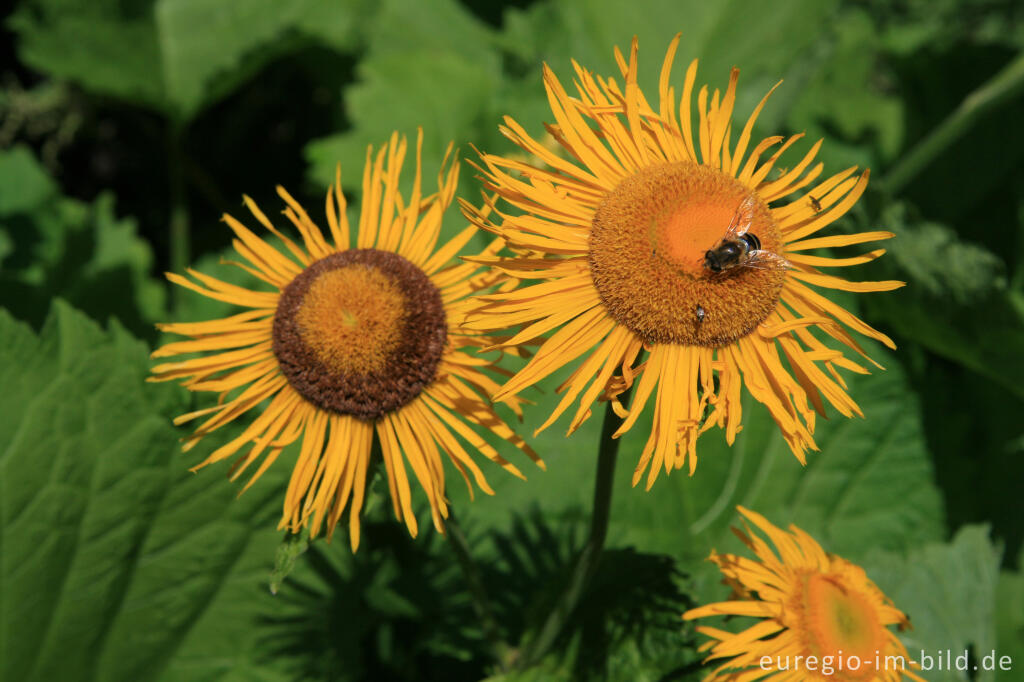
392, 451
838, 240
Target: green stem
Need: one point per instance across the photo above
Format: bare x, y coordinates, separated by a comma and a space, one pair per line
587, 561
178, 227
500, 649
997, 90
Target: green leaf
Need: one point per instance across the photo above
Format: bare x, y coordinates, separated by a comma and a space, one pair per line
949, 591
430, 64
956, 304
1010, 615
287, 555
870, 486
546, 671
195, 307
937, 263
834, 83
395, 608
721, 35
976, 451
115, 559
921, 24
175, 56
208, 48
24, 184
108, 46
846, 102
629, 612
81, 252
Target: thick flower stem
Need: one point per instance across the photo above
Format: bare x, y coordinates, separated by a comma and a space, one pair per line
481, 604
587, 561
178, 227
1000, 88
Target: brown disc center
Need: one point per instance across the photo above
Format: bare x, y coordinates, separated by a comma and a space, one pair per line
360, 332
647, 257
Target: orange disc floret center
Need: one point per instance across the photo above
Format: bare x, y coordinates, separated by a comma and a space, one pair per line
647, 256
360, 332
688, 231
352, 318
841, 620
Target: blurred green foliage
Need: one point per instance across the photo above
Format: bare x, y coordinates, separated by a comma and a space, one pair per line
59, 246
118, 564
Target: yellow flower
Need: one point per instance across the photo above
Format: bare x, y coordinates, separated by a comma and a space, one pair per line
349, 342
619, 235
821, 617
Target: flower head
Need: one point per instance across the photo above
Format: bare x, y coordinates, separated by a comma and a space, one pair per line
651, 236
348, 342
820, 616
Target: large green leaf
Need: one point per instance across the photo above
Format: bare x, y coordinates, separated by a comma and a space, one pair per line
718, 33
108, 46
816, 47
174, 55
1010, 615
117, 563
871, 485
429, 64
208, 47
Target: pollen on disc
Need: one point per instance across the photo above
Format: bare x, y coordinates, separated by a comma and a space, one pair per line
360, 332
838, 617
352, 318
688, 231
647, 246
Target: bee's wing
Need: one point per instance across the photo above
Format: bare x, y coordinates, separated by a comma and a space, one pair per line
766, 260
741, 220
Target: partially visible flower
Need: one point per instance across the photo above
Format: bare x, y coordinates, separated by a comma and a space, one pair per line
349, 343
617, 234
820, 617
